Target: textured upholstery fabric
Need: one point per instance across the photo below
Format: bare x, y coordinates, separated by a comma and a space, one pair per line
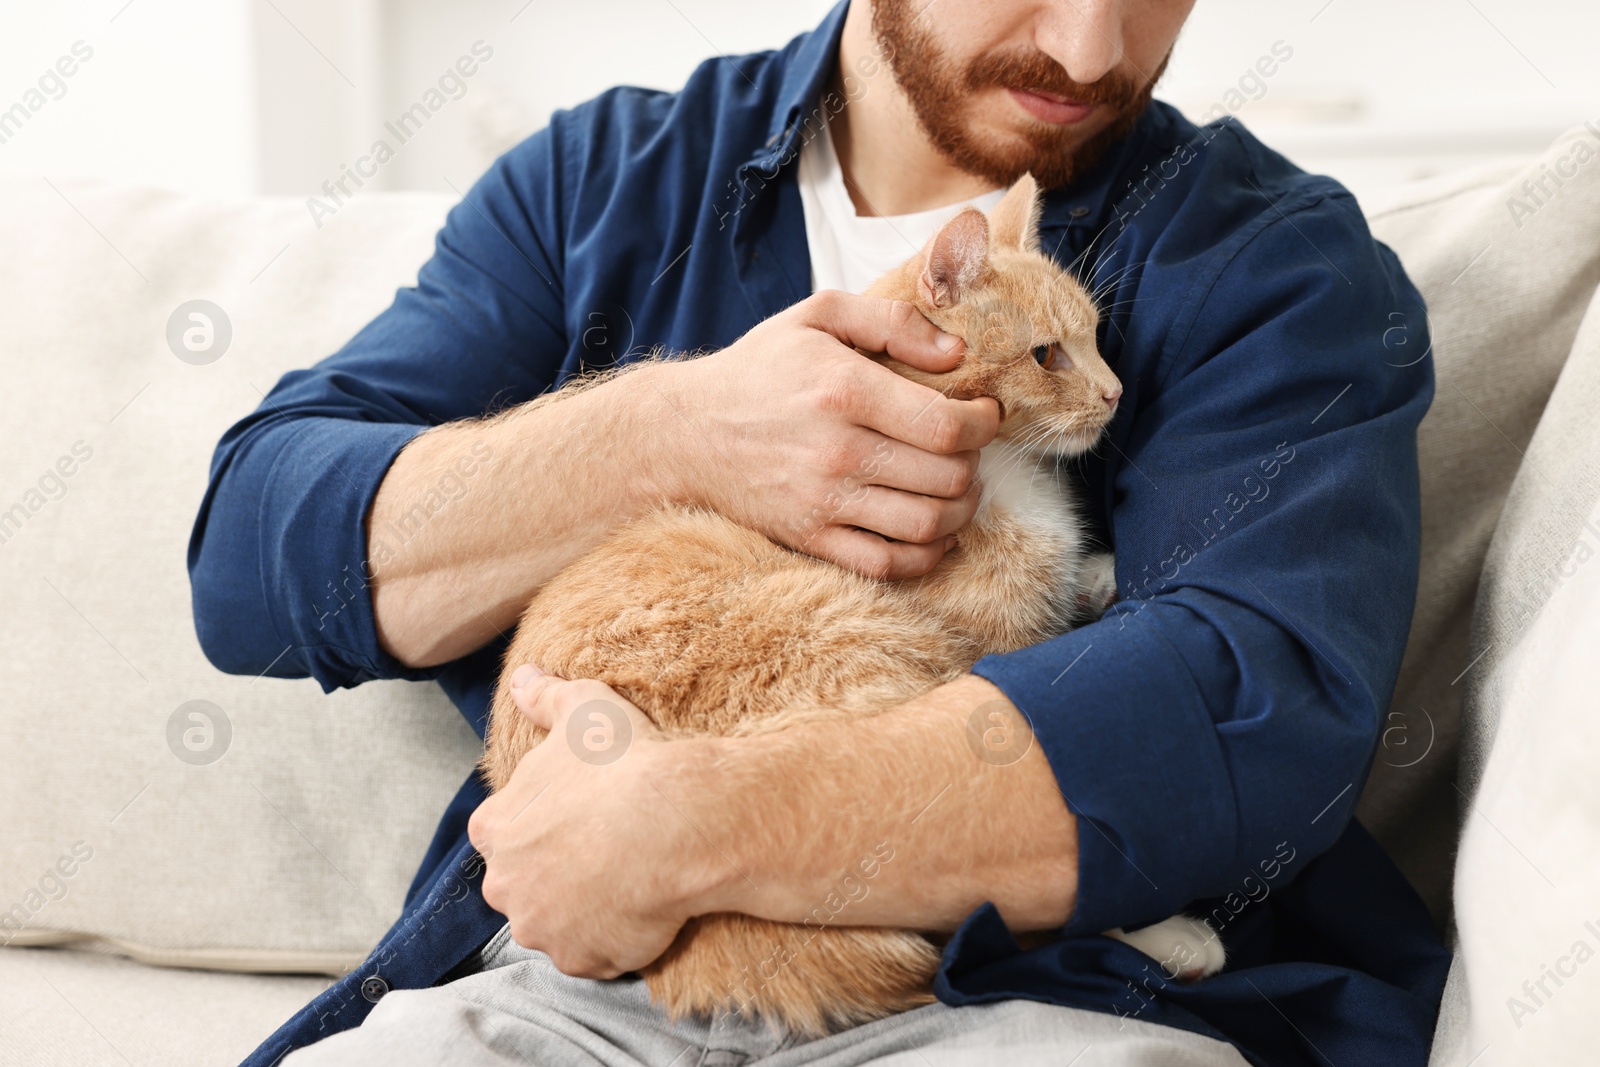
84, 1009
1504, 301
1527, 884
251, 861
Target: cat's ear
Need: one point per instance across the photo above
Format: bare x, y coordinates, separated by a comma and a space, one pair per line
1016, 217
955, 259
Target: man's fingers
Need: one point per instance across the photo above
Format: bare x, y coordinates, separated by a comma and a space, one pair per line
584, 965
533, 690
907, 517
894, 465
868, 554
899, 408
547, 699
876, 325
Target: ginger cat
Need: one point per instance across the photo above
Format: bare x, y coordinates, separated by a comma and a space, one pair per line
710, 628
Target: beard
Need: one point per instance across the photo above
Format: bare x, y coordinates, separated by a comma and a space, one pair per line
939, 87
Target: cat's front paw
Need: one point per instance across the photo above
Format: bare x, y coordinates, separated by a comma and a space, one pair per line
1187, 949
1097, 582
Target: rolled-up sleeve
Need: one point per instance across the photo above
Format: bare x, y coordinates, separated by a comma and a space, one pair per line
278, 556
1264, 508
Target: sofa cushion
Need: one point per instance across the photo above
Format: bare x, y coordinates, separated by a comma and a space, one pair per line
1527, 889
189, 816
1506, 288
88, 1009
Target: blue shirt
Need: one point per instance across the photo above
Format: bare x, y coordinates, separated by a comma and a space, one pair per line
1212, 731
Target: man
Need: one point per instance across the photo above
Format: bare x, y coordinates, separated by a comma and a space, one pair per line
1200, 747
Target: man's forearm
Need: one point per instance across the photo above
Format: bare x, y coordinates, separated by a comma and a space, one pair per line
767, 432
550, 479
910, 819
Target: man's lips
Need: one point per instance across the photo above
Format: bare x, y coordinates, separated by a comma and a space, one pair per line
1047, 107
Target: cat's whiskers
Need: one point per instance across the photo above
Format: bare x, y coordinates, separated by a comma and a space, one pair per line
1026, 449
1038, 434
766, 651
1044, 442
1127, 300
1046, 436
1017, 452
1099, 283
1100, 290
1093, 269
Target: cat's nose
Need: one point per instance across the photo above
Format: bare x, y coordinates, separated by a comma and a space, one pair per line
1111, 395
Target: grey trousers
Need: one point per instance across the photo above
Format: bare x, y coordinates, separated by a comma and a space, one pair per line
519, 1010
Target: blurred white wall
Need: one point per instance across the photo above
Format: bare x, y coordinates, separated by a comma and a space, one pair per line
167, 96
241, 96
559, 54
1378, 91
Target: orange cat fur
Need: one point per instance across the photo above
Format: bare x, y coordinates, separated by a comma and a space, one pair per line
711, 628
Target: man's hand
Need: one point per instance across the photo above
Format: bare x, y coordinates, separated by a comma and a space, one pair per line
799, 436
586, 855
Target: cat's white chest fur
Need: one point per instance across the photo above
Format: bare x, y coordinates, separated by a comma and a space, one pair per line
1025, 488
1022, 488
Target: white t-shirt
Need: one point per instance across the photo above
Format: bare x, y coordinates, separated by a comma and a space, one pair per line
849, 251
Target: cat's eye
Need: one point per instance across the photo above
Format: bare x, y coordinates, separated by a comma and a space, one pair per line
1052, 357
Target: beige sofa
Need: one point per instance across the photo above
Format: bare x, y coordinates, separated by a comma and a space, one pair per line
182, 848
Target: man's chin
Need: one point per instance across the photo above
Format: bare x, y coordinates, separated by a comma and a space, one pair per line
1002, 153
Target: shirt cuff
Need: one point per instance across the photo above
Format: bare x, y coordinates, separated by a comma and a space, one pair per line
1124, 725
313, 527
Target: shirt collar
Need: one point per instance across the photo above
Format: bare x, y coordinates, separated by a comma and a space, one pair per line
805, 76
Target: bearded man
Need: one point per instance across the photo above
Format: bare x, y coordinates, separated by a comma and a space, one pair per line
1199, 748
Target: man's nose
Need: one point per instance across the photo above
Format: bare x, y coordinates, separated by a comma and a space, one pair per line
1084, 36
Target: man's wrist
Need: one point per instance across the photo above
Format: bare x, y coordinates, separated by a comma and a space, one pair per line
806, 816
657, 457
694, 777
748, 798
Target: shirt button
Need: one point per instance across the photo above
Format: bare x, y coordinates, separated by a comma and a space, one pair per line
374, 988
1078, 212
